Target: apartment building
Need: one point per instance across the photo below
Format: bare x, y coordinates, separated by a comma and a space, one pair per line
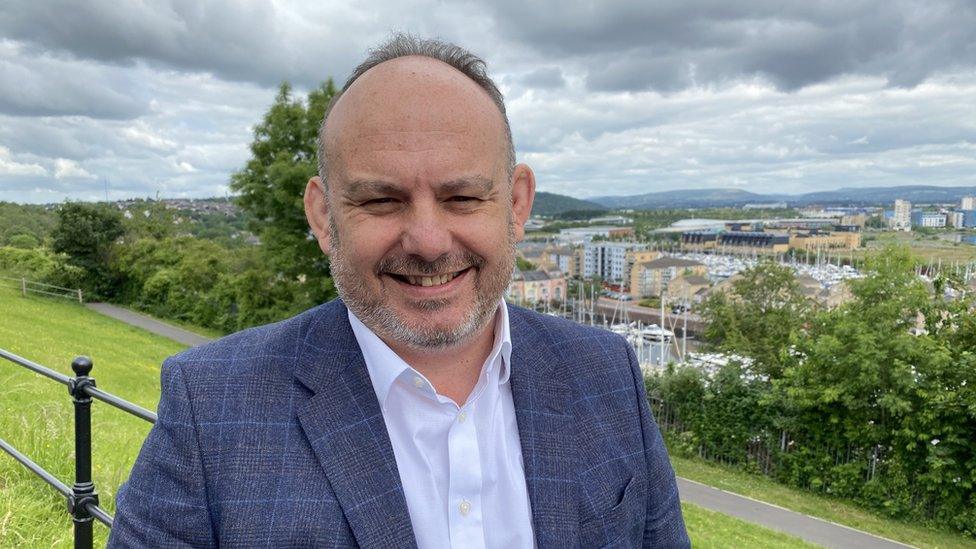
649, 278
902, 218
608, 259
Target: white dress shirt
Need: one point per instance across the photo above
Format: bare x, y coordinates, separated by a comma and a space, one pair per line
461, 466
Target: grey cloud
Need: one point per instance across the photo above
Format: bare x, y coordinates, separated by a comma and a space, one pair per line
637, 71
670, 45
259, 41
544, 77
45, 86
241, 41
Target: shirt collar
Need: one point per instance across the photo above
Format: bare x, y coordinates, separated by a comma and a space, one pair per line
385, 366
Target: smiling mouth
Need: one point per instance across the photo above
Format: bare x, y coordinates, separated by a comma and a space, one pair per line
425, 280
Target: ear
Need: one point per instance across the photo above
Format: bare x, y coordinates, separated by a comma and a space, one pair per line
317, 212
523, 194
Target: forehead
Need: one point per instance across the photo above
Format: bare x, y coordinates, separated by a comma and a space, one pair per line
414, 110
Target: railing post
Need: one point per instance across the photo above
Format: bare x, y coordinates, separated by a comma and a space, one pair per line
83, 490
23, 286
79, 296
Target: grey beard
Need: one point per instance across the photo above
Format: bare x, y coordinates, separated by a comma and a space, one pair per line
383, 320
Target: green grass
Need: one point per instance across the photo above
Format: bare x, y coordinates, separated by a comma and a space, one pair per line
764, 489
928, 248
712, 529
36, 413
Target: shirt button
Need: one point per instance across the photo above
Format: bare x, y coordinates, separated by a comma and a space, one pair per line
462, 416
464, 507
418, 382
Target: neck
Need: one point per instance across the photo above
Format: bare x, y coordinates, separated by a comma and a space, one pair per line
453, 371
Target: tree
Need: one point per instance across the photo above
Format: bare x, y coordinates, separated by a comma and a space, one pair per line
524, 264
18, 221
149, 219
865, 386
272, 183
759, 317
87, 233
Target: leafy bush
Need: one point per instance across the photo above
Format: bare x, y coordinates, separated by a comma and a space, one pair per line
853, 402
40, 265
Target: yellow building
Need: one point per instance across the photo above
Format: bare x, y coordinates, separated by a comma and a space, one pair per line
634, 257
649, 278
561, 258
687, 288
812, 242
736, 242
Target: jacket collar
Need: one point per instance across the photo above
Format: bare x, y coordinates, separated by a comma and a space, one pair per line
345, 428
542, 397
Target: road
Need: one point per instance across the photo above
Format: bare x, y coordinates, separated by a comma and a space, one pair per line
149, 324
814, 530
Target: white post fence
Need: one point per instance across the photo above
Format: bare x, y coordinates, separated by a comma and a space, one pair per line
74, 294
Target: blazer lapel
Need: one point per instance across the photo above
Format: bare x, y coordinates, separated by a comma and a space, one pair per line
345, 428
549, 446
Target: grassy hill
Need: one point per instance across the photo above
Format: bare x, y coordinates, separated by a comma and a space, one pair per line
36, 417
36, 414
555, 204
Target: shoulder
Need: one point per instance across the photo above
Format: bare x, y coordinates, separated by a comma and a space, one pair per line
263, 353
557, 329
585, 351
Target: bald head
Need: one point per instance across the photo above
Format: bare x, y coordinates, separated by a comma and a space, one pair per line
415, 104
431, 71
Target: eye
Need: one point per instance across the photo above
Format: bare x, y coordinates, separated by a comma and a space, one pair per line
379, 201
464, 199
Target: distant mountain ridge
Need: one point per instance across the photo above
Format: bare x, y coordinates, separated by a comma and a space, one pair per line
861, 196
692, 198
555, 204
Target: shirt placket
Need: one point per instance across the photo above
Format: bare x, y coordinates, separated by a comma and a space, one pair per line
465, 509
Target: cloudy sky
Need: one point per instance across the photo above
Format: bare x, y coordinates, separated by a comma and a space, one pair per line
135, 98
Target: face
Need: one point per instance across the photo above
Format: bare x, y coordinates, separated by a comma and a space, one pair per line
421, 218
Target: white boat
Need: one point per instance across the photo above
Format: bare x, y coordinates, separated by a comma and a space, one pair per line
656, 333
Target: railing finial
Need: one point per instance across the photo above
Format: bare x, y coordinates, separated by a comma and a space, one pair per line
81, 365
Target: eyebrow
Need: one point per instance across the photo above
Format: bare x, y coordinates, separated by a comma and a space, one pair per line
477, 184
362, 188
366, 187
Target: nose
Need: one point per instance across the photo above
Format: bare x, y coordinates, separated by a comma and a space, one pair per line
426, 233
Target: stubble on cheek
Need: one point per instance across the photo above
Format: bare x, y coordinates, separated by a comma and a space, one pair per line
375, 305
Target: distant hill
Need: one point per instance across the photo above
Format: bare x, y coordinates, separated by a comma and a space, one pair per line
555, 204
716, 198
922, 194
693, 198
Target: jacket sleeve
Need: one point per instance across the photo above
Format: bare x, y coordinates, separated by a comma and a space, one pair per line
664, 526
164, 502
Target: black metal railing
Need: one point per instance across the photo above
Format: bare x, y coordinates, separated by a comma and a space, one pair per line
81, 496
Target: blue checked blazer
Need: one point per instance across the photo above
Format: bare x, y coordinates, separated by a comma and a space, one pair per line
273, 437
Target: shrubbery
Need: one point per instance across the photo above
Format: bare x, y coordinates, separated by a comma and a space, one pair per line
845, 401
200, 282
40, 265
181, 278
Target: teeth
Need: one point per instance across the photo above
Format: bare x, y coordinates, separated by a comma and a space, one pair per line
427, 281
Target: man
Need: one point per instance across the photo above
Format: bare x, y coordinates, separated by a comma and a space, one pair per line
418, 409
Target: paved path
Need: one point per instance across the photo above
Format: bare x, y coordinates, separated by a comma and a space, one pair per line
150, 324
812, 529
802, 526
